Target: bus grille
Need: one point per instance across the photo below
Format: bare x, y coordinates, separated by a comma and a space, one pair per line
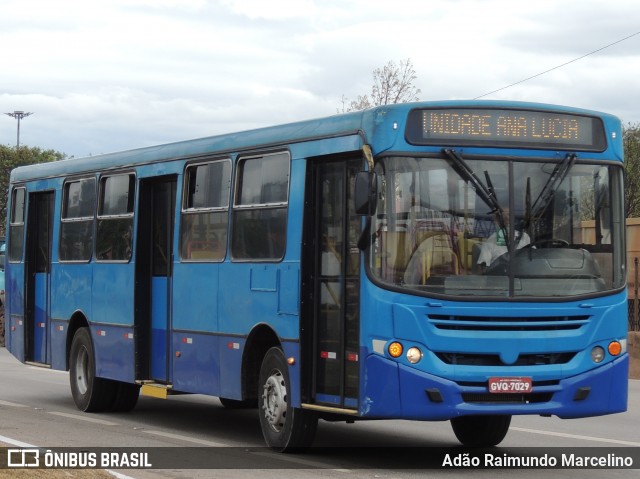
496, 323
466, 359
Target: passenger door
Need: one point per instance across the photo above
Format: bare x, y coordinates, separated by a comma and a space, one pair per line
38, 261
154, 258
331, 286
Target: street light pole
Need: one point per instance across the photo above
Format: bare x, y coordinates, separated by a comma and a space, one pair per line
19, 115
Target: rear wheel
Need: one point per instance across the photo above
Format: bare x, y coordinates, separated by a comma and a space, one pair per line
482, 431
126, 397
284, 427
90, 393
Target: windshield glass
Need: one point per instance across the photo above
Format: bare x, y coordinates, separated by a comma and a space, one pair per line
498, 228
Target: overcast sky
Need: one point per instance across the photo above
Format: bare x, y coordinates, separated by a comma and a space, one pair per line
108, 75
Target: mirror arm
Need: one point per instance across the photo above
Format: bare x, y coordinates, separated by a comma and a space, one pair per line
368, 156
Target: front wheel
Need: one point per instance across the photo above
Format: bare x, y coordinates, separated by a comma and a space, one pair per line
482, 431
284, 427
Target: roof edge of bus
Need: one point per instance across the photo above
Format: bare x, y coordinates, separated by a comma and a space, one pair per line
224, 143
270, 136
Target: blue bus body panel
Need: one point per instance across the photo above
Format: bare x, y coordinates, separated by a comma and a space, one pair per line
250, 294
112, 293
71, 290
14, 309
112, 320
231, 349
195, 297
195, 362
58, 331
114, 348
15, 336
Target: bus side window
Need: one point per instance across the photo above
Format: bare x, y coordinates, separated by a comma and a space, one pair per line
205, 211
78, 213
260, 208
115, 218
16, 225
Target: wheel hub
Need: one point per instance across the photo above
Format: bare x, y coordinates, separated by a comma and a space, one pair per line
274, 400
82, 368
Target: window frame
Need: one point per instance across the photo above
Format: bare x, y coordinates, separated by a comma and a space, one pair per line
186, 211
14, 224
67, 220
242, 207
128, 215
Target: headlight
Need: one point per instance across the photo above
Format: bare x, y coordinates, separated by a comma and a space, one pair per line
597, 354
414, 355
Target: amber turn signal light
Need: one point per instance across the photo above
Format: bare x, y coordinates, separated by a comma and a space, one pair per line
615, 348
395, 350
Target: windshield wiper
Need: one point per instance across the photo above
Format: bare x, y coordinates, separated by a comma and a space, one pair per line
543, 200
487, 193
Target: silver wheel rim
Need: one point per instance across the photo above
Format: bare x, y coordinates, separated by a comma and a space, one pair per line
82, 370
274, 400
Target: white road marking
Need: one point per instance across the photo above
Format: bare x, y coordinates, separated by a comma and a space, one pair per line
15, 442
186, 438
11, 404
296, 460
577, 436
82, 418
48, 369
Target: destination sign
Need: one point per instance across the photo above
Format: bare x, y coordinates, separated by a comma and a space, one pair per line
505, 128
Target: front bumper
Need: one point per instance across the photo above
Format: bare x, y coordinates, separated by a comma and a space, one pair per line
398, 391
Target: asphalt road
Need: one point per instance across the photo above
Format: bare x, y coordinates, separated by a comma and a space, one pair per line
36, 409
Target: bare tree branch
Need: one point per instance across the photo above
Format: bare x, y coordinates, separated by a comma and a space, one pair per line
391, 84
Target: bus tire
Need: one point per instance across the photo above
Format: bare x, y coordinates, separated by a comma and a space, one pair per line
126, 397
481, 431
90, 393
285, 428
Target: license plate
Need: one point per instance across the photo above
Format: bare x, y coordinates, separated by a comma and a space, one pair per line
520, 385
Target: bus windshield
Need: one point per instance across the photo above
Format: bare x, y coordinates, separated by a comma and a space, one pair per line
498, 227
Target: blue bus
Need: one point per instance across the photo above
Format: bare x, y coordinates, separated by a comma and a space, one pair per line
459, 261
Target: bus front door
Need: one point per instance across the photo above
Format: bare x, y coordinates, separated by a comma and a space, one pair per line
331, 308
153, 277
38, 269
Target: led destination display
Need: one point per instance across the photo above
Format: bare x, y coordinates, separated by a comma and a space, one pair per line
505, 128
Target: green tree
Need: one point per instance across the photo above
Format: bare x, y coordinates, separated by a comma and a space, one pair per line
391, 84
10, 158
631, 141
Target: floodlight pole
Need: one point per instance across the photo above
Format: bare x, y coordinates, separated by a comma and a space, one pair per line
19, 115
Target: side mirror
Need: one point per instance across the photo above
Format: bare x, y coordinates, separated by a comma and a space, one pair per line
366, 193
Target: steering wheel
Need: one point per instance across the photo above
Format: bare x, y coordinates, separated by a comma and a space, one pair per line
500, 265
